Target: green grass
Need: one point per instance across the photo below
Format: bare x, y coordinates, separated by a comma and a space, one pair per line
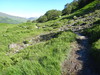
10, 33
44, 58
86, 9
41, 59
93, 33
96, 51
94, 39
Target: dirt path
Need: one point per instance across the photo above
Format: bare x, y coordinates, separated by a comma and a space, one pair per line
79, 62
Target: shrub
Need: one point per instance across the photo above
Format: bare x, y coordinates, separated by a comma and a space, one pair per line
67, 10
42, 19
53, 14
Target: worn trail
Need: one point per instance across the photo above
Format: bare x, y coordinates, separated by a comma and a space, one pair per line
79, 61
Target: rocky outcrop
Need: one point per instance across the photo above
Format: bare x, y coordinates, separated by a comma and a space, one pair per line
83, 22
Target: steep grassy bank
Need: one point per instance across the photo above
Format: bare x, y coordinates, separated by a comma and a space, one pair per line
96, 51
80, 19
94, 39
93, 33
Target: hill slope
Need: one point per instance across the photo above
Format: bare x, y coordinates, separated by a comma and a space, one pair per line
40, 48
5, 18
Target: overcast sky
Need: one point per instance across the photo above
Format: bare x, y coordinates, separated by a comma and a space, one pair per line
30, 8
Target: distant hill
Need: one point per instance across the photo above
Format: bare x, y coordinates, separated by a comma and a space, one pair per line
32, 18
5, 18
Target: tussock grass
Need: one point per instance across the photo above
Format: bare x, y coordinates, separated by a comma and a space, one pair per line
41, 59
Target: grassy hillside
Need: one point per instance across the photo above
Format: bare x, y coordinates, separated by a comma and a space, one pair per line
94, 38
10, 33
43, 58
13, 63
5, 18
40, 48
81, 18
93, 33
